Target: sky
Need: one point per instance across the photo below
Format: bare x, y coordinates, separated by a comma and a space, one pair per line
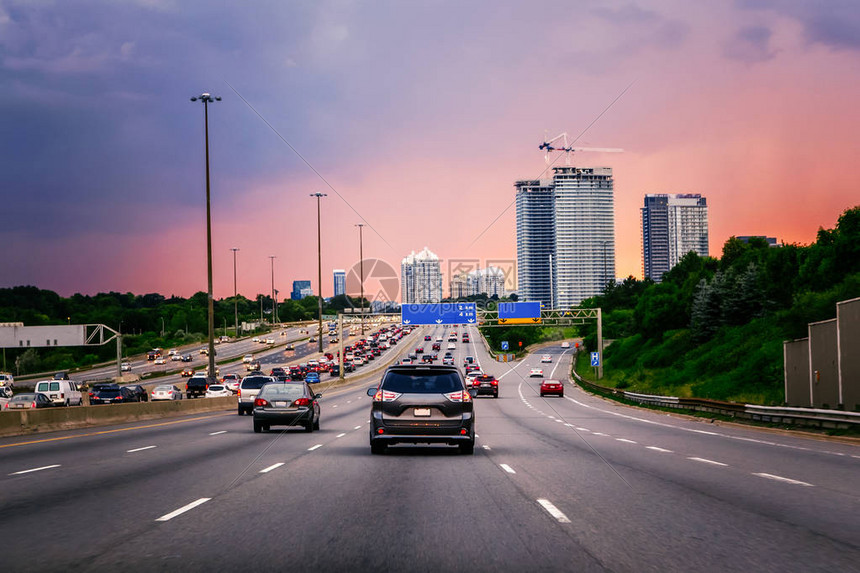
415, 118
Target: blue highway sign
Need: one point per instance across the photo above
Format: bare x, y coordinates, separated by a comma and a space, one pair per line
505, 345
595, 359
445, 313
519, 309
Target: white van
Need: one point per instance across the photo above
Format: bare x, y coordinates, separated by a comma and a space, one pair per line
6, 379
60, 392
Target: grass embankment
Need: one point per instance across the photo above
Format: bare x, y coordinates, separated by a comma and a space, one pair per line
741, 364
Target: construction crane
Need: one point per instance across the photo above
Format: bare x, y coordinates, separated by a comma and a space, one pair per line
548, 147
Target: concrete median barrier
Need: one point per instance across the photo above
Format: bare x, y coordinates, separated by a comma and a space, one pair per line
14, 423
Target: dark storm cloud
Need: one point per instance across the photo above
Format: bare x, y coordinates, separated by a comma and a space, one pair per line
834, 23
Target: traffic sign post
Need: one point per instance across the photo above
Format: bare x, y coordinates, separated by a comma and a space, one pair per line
446, 313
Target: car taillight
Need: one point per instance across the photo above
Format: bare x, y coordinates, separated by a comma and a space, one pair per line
91, 394
261, 402
33, 405
459, 396
386, 396
301, 402
495, 382
239, 392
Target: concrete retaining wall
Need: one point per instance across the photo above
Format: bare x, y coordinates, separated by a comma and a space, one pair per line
13, 423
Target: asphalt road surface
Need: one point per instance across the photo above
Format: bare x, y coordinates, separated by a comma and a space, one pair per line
555, 484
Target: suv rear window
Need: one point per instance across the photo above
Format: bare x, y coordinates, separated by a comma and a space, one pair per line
254, 382
283, 391
421, 383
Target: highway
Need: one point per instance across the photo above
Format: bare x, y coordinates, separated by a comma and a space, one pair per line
556, 484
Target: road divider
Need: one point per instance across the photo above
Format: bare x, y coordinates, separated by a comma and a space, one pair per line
23, 422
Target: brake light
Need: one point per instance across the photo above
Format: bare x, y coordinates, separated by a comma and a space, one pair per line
33, 405
459, 396
495, 382
386, 396
301, 402
261, 402
239, 392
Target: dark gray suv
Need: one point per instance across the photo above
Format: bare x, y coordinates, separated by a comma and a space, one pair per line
422, 404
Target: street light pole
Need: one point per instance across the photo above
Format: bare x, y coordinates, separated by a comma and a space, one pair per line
207, 98
319, 267
235, 293
274, 302
162, 327
361, 270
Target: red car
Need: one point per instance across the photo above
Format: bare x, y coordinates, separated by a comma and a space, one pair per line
552, 387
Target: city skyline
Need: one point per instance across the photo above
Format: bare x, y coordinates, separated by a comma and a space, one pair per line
102, 159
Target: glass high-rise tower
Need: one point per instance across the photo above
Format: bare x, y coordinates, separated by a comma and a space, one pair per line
535, 239
421, 278
672, 226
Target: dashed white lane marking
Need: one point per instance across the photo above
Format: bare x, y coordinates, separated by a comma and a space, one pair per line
578, 429
357, 428
553, 511
560, 421
486, 447
625, 440
706, 461
216, 433
271, 467
34, 470
312, 448
340, 435
140, 449
783, 479
599, 434
349, 401
656, 449
335, 406
569, 425
181, 510
507, 468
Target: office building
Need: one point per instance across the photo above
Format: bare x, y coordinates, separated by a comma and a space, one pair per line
301, 289
672, 226
535, 201
771, 241
421, 278
339, 282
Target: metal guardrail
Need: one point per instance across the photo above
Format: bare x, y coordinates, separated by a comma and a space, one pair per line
829, 419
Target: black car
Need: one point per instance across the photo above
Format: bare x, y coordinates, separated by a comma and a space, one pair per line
296, 373
139, 393
286, 404
279, 374
427, 359
486, 385
111, 394
61, 376
334, 370
422, 404
187, 358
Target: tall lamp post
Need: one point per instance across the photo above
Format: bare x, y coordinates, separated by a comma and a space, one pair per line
361, 270
207, 98
274, 301
235, 293
319, 266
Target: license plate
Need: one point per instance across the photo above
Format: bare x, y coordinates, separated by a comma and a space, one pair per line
281, 404
485, 385
422, 411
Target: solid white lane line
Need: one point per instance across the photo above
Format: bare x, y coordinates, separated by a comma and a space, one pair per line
507, 468
340, 435
140, 449
312, 448
704, 461
783, 479
553, 511
34, 470
181, 510
656, 449
271, 467
216, 433
357, 428
626, 441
